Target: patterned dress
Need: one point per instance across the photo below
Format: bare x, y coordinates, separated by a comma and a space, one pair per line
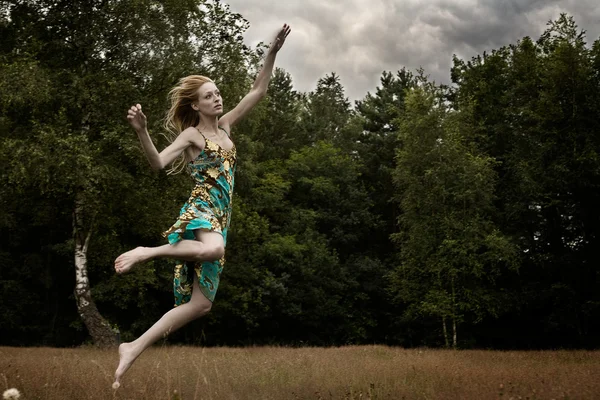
208, 208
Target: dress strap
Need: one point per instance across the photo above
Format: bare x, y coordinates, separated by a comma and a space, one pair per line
200, 132
223, 129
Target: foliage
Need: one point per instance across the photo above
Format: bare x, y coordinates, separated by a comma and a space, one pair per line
420, 212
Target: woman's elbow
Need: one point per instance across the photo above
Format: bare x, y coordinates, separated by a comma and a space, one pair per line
156, 165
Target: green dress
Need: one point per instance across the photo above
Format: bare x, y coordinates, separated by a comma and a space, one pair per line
208, 208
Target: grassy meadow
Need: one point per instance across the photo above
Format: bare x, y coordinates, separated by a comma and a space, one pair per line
352, 372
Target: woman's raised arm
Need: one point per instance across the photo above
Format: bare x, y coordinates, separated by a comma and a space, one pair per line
259, 89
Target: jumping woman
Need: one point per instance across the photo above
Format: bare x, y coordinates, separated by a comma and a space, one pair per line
202, 142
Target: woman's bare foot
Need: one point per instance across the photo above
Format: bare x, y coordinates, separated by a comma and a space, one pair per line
127, 355
127, 260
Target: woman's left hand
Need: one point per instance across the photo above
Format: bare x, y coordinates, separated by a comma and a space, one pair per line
280, 38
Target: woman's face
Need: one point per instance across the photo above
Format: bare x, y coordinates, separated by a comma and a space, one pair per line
209, 101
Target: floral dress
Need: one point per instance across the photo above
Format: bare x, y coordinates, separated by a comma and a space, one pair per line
208, 208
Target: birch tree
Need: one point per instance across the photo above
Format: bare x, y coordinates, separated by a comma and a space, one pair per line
450, 251
86, 62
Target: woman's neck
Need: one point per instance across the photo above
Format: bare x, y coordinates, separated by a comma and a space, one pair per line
210, 124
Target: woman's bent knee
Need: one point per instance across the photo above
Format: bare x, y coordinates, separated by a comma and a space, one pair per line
214, 252
202, 308
218, 252
210, 253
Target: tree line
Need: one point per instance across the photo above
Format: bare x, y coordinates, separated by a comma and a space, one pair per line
459, 215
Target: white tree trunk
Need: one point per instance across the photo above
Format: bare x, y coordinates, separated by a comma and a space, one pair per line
99, 329
454, 332
445, 332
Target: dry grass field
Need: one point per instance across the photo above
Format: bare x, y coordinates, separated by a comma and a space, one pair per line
353, 372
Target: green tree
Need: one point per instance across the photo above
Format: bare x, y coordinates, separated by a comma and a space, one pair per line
535, 112
380, 113
279, 125
81, 78
326, 110
450, 251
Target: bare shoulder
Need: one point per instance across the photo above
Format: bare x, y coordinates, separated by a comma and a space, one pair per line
193, 136
189, 133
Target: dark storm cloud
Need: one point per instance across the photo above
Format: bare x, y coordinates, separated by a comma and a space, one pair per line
359, 39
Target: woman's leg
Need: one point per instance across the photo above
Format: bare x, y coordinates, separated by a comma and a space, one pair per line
208, 246
198, 306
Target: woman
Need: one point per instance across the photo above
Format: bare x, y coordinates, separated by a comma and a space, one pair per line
198, 237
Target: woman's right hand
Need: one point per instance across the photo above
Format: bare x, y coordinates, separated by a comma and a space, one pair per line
136, 118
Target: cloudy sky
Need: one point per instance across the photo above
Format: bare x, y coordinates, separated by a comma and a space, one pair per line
359, 39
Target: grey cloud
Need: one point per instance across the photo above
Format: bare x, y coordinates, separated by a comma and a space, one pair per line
359, 39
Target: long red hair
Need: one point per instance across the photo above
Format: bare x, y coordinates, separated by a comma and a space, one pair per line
181, 115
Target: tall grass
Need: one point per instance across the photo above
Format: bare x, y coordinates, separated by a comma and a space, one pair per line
353, 372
